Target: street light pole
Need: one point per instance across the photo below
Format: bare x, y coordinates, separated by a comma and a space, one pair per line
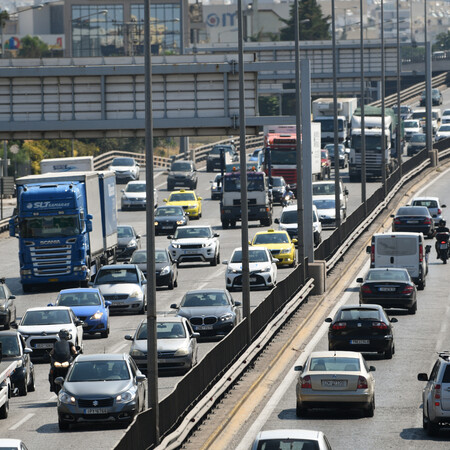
363, 132
429, 130
383, 108
398, 139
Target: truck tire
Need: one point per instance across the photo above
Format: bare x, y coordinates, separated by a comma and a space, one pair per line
225, 224
27, 288
4, 410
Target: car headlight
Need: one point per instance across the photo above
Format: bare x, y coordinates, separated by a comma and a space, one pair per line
64, 397
230, 270
265, 269
97, 316
227, 317
136, 294
180, 222
182, 352
156, 223
132, 243
287, 250
127, 396
165, 270
2, 307
136, 352
176, 245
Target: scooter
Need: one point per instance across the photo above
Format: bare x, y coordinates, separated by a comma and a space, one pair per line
443, 246
57, 369
287, 199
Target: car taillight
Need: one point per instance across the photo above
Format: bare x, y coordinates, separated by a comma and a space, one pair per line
420, 252
339, 326
372, 253
306, 382
366, 289
362, 383
437, 393
439, 211
407, 290
443, 242
397, 221
427, 221
379, 325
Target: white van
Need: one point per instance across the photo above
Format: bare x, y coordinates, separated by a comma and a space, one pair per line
404, 250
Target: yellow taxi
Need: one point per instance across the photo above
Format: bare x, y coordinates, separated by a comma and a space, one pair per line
188, 200
280, 245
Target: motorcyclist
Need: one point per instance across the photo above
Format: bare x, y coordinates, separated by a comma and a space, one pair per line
63, 350
442, 228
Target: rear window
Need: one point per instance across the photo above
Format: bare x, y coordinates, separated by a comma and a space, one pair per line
358, 314
427, 203
396, 246
412, 211
446, 377
339, 364
288, 444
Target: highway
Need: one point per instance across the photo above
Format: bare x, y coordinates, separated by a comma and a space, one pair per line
33, 418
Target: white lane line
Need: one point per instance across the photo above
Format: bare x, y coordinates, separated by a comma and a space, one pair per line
274, 401
20, 422
417, 194
119, 347
203, 285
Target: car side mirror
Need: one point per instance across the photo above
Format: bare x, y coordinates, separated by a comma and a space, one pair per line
225, 262
298, 368
195, 335
277, 221
173, 306
122, 190
138, 236
427, 248
392, 215
372, 369
443, 206
165, 200
368, 249
170, 236
393, 320
140, 378
59, 381
359, 280
200, 198
50, 304
12, 297
27, 350
144, 281
108, 303
216, 235
90, 283
275, 260
237, 303
128, 337
346, 191
294, 241
422, 377
328, 320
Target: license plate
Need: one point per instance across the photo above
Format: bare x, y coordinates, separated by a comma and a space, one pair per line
412, 221
204, 327
190, 252
166, 227
44, 346
359, 341
96, 411
118, 303
334, 383
252, 279
443, 246
387, 289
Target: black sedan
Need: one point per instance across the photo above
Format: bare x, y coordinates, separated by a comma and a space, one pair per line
166, 267
169, 218
415, 219
279, 189
390, 288
127, 242
362, 328
211, 312
7, 306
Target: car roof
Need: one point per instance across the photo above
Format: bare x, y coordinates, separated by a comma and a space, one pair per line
102, 357
205, 291
324, 197
183, 191
334, 353
9, 332
272, 231
124, 226
76, 290
425, 198
388, 269
137, 182
289, 434
49, 308
358, 306
398, 233
193, 226
119, 266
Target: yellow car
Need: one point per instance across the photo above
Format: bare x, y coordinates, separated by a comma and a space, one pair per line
280, 245
188, 200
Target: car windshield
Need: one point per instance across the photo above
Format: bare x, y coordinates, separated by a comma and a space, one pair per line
255, 182
278, 182
123, 162
418, 138
2, 292
271, 238
323, 189
330, 148
413, 211
255, 256
182, 197
98, 371
116, 276
181, 167
324, 204
79, 299
169, 211
217, 150
161, 256
411, 124
164, 330
357, 314
204, 299
10, 345
47, 317
135, 187
418, 115
444, 128
192, 233
49, 226
387, 275
124, 232
287, 444
139, 257
427, 203
335, 364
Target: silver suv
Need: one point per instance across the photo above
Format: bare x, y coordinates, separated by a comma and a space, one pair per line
436, 395
195, 243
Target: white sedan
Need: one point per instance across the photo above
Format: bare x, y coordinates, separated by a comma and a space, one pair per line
443, 132
262, 267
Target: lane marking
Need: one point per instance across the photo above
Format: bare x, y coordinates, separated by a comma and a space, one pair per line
119, 347
20, 422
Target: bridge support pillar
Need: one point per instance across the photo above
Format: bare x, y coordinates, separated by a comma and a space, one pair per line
318, 271
434, 160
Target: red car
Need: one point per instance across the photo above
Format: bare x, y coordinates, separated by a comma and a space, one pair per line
326, 164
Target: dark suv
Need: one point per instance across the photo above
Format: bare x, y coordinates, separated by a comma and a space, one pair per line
183, 174
213, 159
436, 395
436, 97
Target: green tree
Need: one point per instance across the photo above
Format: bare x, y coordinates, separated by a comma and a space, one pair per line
269, 105
33, 47
442, 42
316, 29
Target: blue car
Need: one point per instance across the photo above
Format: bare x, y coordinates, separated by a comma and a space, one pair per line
89, 306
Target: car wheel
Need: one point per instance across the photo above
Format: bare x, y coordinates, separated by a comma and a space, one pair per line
294, 263
31, 386
7, 324
142, 310
432, 429
171, 284
215, 260
370, 410
23, 387
4, 410
413, 309
421, 285
105, 334
389, 352
301, 411
63, 425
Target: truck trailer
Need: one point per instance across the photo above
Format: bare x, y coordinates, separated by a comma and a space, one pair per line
6, 370
66, 224
75, 164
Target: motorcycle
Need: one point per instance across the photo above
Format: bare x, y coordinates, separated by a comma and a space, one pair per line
443, 246
57, 369
287, 199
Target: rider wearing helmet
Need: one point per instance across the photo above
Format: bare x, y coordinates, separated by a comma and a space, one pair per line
63, 350
442, 228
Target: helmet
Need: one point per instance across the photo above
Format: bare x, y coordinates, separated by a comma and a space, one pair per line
64, 335
442, 223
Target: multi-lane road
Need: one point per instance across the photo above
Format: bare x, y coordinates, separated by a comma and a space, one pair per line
33, 418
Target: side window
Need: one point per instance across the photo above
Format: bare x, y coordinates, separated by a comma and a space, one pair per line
435, 370
133, 367
446, 377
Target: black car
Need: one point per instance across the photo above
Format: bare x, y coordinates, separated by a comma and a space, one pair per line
279, 189
415, 219
166, 268
405, 111
390, 288
169, 218
213, 161
7, 306
211, 312
361, 328
436, 97
15, 349
182, 174
128, 241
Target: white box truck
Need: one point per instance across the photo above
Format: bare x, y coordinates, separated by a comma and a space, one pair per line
75, 164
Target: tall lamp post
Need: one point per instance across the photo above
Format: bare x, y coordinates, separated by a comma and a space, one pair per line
363, 98
383, 107
398, 133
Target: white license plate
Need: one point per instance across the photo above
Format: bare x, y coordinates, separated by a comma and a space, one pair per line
96, 411
204, 327
359, 341
44, 346
387, 289
334, 383
412, 221
118, 303
443, 246
167, 227
190, 252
